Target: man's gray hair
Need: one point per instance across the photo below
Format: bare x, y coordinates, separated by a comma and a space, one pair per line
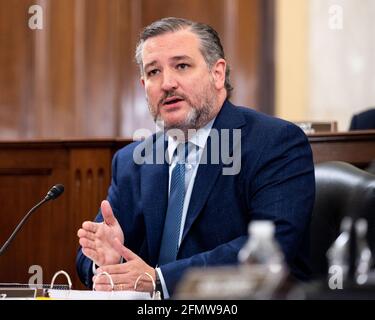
211, 47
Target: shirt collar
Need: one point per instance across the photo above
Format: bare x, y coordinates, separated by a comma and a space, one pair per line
198, 139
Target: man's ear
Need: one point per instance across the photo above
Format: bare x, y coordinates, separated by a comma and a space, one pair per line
218, 73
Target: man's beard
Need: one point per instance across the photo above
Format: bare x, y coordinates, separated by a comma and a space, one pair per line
197, 117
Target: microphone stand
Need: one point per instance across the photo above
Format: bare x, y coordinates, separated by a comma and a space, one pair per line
19, 226
52, 194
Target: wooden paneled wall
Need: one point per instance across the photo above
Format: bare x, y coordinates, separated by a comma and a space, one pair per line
77, 76
27, 171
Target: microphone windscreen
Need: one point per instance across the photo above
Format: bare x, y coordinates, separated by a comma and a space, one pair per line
55, 191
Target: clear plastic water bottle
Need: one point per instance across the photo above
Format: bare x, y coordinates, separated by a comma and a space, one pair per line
262, 248
263, 263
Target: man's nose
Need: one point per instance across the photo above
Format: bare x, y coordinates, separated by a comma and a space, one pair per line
169, 81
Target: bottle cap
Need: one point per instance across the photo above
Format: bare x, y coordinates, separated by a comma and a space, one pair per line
262, 228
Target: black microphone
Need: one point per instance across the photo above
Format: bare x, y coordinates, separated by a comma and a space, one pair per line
52, 194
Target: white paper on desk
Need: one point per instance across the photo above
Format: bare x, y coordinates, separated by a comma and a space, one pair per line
98, 295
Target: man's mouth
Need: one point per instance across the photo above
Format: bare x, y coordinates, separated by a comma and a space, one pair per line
172, 100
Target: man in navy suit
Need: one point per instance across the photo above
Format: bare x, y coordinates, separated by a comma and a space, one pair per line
239, 165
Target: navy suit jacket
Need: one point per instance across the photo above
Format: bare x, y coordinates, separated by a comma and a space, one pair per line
363, 121
276, 182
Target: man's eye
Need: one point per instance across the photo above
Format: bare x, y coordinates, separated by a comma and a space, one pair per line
152, 72
182, 66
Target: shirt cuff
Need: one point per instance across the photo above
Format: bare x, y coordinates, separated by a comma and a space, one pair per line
94, 267
163, 285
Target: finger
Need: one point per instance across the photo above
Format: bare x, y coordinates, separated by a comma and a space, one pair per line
114, 269
124, 251
143, 285
102, 282
80, 233
85, 234
107, 213
90, 226
123, 287
117, 287
103, 287
101, 279
86, 243
116, 279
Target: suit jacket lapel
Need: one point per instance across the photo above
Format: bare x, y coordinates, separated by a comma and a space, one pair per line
154, 194
228, 118
204, 182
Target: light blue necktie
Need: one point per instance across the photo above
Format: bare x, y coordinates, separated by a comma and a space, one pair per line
172, 224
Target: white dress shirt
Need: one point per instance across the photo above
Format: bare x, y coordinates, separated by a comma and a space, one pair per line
197, 142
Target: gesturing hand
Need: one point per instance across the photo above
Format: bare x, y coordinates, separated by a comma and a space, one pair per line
124, 275
97, 239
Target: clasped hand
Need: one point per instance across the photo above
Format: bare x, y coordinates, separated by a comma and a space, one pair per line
103, 244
